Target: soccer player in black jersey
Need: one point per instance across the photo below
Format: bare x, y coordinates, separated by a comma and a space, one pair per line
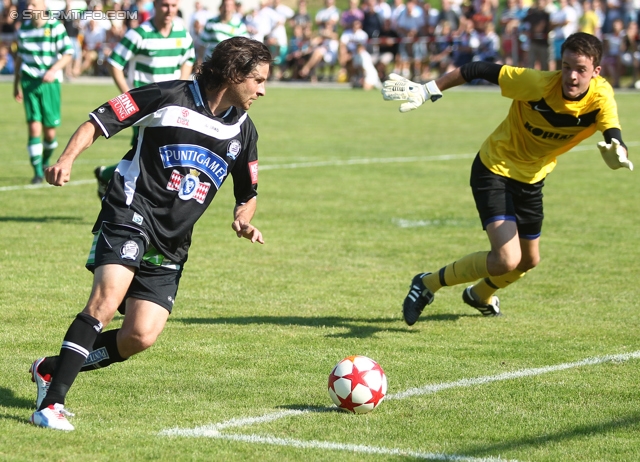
551, 113
192, 135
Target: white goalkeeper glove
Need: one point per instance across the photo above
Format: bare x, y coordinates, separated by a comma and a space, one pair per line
397, 88
614, 154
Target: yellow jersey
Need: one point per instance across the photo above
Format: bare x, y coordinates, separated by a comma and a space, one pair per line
541, 124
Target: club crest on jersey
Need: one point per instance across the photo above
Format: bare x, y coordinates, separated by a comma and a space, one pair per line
188, 186
233, 149
129, 250
196, 157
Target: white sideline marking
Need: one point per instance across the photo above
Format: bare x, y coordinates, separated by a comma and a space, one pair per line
359, 448
512, 375
364, 161
321, 163
214, 430
44, 185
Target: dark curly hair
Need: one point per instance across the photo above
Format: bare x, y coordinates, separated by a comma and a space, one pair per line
232, 61
584, 44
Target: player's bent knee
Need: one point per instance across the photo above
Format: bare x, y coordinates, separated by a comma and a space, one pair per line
133, 343
529, 264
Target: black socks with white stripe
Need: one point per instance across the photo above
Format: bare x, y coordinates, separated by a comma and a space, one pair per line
77, 344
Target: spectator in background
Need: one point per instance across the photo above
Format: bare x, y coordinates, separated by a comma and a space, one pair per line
279, 40
611, 64
589, 22
565, 22
300, 50
263, 21
353, 13
329, 14
325, 51
142, 13
397, 9
222, 27
197, 22
372, 22
7, 65
8, 23
412, 49
94, 38
365, 75
387, 49
449, 15
383, 9
466, 43
442, 48
483, 15
510, 25
538, 26
349, 41
598, 9
489, 49
72, 26
301, 17
613, 11
631, 52
99, 17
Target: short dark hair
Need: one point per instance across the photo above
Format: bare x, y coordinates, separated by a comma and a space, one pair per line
584, 44
232, 61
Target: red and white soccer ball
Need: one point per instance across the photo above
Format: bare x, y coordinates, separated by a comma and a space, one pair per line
357, 384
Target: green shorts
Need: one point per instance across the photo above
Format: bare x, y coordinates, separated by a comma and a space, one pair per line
41, 101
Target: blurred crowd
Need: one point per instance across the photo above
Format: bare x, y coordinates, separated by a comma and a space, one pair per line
368, 39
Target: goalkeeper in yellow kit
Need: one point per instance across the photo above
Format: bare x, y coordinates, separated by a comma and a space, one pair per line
551, 113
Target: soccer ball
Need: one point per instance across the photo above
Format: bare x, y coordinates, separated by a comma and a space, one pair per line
357, 384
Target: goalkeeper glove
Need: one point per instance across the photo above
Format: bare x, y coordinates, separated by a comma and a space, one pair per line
614, 154
397, 88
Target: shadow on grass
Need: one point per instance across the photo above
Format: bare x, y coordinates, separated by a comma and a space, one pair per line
307, 408
552, 438
45, 219
9, 399
357, 327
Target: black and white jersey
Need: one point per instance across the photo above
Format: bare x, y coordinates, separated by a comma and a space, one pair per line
182, 156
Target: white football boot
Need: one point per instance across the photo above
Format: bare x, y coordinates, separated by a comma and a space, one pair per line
53, 416
42, 382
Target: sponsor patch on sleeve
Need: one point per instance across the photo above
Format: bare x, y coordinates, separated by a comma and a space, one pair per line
124, 106
253, 170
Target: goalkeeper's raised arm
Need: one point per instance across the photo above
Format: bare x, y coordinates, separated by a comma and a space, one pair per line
398, 88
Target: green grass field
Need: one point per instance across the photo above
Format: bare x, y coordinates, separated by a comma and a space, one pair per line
355, 198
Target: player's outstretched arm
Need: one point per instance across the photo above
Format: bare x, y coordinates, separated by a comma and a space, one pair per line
242, 214
615, 155
60, 173
397, 88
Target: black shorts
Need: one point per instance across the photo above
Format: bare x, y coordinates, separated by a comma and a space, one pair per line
501, 198
156, 278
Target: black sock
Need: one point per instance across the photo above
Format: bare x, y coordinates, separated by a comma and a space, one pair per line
76, 345
105, 352
48, 365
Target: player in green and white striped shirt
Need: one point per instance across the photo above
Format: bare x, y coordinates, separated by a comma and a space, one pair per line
228, 24
158, 50
44, 49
